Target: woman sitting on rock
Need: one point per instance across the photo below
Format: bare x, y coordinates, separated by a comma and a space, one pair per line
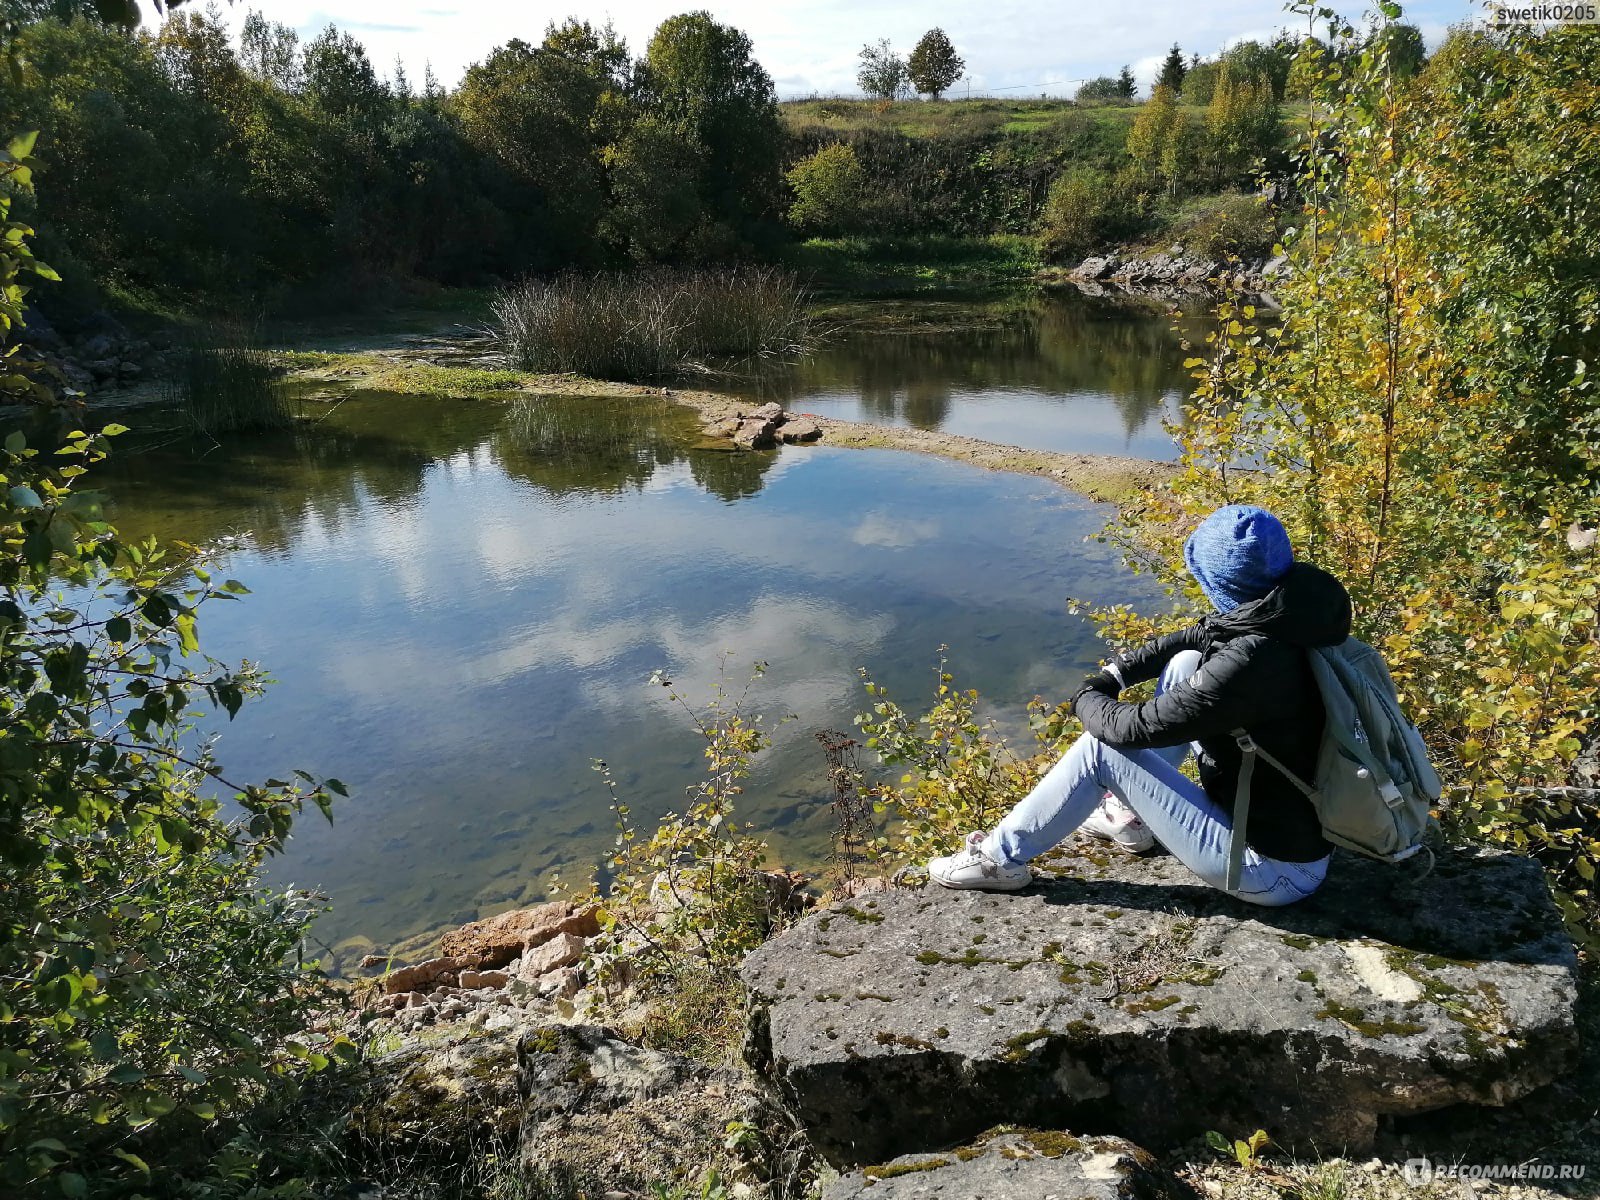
1242, 667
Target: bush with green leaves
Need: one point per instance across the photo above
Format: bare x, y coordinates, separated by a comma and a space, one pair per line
958, 771
1086, 210
831, 194
1231, 225
683, 903
148, 981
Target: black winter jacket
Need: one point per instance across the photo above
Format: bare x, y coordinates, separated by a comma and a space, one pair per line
1254, 674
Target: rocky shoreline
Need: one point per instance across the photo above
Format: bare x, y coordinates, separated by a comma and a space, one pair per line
97, 354
1173, 272
1073, 1040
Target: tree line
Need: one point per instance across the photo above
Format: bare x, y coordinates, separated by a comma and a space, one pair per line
173, 162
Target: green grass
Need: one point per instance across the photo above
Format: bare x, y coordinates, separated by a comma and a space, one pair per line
914, 262
926, 118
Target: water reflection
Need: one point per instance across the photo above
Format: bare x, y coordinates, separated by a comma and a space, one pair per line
1059, 372
369, 447
462, 603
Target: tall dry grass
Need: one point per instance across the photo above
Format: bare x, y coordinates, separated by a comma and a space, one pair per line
651, 324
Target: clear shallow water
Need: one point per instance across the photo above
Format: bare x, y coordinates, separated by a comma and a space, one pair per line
462, 602
1059, 371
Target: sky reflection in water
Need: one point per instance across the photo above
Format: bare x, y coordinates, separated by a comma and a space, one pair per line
462, 603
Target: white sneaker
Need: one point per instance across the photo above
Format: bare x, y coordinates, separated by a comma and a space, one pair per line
973, 869
1114, 822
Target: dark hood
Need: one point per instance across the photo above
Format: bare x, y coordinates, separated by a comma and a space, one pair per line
1309, 608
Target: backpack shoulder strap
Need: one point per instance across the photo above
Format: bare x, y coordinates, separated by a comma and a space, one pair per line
1241, 808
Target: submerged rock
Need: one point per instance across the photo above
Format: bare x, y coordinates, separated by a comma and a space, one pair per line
1023, 1165
1124, 996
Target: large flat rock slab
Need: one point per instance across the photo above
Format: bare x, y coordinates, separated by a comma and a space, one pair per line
1123, 996
1022, 1165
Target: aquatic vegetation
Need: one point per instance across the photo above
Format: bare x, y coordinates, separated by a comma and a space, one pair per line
225, 382
650, 324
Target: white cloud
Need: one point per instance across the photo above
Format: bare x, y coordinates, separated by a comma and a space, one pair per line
894, 533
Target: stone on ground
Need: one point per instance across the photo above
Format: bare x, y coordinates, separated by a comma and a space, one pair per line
494, 942
603, 1115
445, 1097
1123, 996
1022, 1165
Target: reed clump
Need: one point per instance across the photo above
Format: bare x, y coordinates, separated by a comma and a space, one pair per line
651, 324
223, 381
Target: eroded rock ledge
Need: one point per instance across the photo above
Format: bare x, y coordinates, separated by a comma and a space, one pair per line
1120, 996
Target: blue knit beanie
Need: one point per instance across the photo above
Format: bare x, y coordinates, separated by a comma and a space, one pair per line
1239, 554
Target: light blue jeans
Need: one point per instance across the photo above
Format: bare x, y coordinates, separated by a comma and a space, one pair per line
1177, 810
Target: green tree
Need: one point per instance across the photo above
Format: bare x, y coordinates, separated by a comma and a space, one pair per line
271, 52
1100, 90
654, 175
1404, 46
702, 79
1200, 82
830, 191
1269, 59
1161, 142
1173, 69
532, 108
1241, 121
934, 64
1127, 88
883, 73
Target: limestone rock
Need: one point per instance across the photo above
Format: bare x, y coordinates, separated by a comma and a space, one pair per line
1023, 1165
561, 951
496, 941
756, 433
1096, 268
799, 429
484, 979
911, 1020
425, 975
451, 1095
602, 1115
770, 411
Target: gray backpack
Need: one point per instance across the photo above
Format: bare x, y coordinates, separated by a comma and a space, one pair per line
1374, 787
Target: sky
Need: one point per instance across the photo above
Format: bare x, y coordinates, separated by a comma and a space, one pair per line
1011, 47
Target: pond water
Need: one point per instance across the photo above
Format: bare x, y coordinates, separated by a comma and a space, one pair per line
462, 602
1052, 371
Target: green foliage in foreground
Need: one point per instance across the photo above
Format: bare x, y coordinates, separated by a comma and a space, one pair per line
147, 981
683, 904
